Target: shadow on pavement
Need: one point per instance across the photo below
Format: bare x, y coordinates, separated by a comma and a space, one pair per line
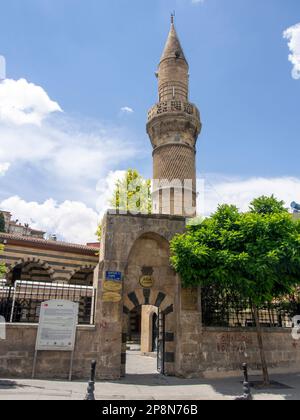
232, 387
8, 384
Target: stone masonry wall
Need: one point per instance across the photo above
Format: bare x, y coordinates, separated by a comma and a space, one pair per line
17, 353
223, 351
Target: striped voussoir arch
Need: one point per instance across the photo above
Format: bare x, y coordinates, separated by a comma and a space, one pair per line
79, 269
148, 297
34, 261
154, 298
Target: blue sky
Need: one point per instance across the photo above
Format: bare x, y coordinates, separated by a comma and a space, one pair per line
92, 58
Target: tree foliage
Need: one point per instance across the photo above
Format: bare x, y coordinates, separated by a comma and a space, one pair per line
256, 254
2, 266
2, 223
253, 255
132, 194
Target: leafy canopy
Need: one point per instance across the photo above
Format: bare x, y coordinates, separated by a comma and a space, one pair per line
2, 223
132, 193
2, 266
254, 254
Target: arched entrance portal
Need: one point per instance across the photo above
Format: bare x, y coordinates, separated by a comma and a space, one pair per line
137, 249
165, 322
30, 269
150, 282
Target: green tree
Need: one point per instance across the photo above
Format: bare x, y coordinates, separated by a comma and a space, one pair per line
253, 255
2, 223
2, 266
132, 194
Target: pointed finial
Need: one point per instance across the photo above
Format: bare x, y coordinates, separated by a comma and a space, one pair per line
172, 17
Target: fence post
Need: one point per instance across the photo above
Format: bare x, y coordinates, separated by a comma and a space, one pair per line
90, 395
246, 386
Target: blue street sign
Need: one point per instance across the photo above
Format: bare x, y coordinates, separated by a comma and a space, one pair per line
113, 276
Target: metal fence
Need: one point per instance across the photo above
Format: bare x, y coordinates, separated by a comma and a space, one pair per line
221, 309
21, 302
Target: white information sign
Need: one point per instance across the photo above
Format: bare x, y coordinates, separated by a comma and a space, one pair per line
57, 326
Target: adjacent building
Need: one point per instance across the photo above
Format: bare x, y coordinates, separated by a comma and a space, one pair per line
15, 228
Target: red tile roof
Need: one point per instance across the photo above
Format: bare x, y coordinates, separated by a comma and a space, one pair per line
43, 243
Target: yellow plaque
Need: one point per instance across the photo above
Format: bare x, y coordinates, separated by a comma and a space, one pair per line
111, 297
146, 282
189, 299
112, 286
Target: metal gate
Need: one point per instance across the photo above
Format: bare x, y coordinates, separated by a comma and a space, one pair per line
161, 343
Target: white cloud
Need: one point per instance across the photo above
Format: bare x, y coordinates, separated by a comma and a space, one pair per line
105, 189
2, 67
72, 154
22, 103
4, 168
72, 221
63, 150
292, 34
220, 190
127, 110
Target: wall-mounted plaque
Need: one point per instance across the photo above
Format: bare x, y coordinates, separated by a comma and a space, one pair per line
111, 297
112, 286
113, 276
146, 282
189, 299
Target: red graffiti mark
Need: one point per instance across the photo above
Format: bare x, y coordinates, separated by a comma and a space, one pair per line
103, 325
234, 343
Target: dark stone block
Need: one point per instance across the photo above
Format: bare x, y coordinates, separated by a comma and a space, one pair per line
170, 357
147, 296
126, 310
133, 297
169, 337
169, 310
160, 298
123, 358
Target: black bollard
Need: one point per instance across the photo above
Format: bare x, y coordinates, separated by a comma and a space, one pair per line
246, 386
90, 395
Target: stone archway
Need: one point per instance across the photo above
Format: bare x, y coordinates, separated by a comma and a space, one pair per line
138, 248
149, 280
165, 306
30, 269
82, 276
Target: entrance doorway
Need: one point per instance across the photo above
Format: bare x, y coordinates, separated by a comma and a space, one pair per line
148, 333
142, 341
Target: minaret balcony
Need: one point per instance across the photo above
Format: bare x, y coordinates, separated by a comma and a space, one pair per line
173, 107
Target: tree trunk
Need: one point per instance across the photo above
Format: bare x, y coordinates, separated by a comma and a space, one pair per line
266, 378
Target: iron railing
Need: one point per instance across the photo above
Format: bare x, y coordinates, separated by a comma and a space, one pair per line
221, 309
21, 302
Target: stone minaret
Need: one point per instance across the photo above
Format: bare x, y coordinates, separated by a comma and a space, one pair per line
173, 127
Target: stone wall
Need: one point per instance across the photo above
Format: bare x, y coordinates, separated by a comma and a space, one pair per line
17, 354
220, 353
223, 351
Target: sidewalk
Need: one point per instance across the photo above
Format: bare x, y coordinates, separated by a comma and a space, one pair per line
146, 386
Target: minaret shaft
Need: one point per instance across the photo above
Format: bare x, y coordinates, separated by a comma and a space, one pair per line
173, 127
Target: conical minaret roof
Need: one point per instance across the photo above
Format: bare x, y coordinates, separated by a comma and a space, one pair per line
173, 48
